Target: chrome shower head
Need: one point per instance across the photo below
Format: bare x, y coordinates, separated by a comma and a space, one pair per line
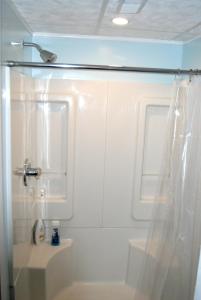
47, 56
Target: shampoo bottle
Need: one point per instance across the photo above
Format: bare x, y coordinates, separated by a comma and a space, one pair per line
55, 238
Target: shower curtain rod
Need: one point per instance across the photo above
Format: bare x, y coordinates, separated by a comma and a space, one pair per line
102, 68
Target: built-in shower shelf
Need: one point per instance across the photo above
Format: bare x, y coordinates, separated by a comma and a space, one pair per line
43, 253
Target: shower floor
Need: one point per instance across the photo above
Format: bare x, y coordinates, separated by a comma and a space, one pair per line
96, 291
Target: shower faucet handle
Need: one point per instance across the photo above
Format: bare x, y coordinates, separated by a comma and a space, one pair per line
28, 171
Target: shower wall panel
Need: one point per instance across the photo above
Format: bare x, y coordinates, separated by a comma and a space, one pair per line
123, 182
55, 156
85, 135
106, 142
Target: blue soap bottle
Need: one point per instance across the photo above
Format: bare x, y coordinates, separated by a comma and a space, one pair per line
55, 238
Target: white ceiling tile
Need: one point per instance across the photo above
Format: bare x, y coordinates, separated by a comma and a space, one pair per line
173, 19
130, 8
196, 30
184, 37
62, 30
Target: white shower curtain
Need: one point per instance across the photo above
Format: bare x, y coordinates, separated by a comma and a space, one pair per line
170, 267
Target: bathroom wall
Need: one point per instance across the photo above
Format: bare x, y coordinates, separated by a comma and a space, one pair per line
110, 221
111, 52
192, 54
100, 229
12, 28
103, 215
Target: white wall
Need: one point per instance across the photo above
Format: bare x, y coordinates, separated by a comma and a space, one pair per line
102, 218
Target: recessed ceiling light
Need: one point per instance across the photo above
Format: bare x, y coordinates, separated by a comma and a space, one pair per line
120, 21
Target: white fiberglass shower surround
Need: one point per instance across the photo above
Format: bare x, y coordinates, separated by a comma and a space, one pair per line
99, 145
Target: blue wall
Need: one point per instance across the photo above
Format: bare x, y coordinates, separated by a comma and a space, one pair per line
112, 52
192, 54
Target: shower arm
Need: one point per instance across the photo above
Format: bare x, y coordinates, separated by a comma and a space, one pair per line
46, 55
28, 44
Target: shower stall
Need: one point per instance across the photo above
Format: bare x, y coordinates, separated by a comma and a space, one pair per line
87, 154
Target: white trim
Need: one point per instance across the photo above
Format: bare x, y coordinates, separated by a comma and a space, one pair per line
129, 39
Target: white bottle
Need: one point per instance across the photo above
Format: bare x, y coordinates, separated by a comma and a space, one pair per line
39, 232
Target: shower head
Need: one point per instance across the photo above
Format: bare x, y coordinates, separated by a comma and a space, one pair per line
47, 56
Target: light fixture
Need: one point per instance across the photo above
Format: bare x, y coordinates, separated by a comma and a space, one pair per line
120, 21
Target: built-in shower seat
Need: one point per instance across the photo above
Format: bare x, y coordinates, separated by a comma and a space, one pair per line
50, 269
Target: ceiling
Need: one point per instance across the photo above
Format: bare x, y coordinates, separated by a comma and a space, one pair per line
177, 20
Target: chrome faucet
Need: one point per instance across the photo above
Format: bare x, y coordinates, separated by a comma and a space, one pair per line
28, 171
